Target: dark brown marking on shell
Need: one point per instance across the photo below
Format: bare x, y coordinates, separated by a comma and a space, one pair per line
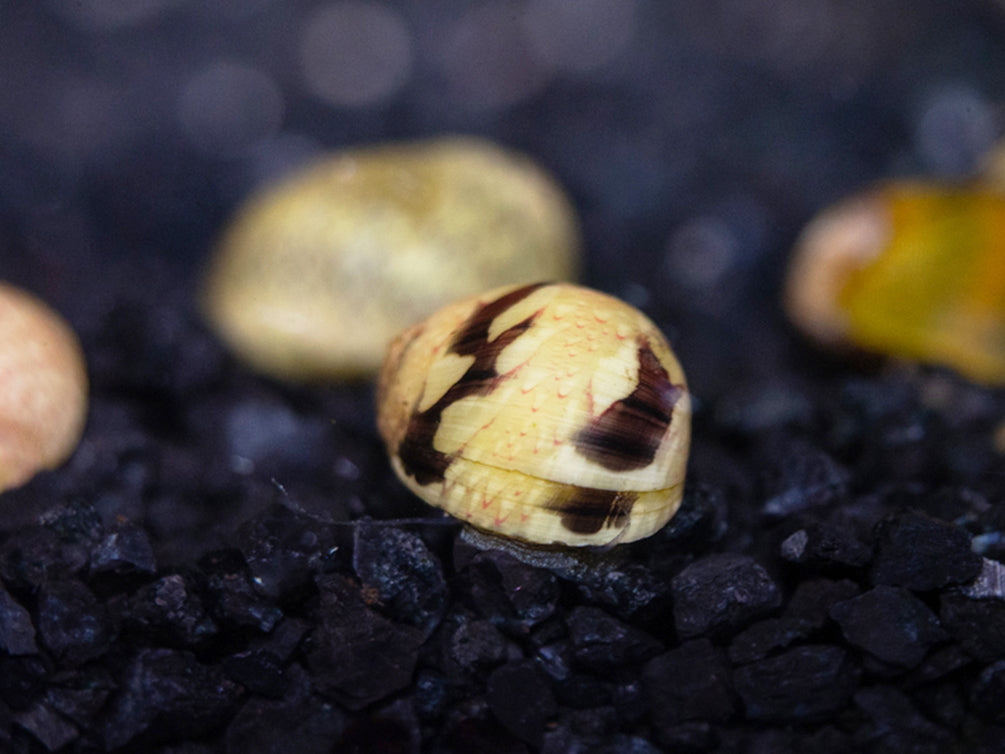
586, 510
627, 435
419, 457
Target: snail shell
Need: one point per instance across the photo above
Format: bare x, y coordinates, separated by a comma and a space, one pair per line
913, 270
43, 388
550, 413
315, 275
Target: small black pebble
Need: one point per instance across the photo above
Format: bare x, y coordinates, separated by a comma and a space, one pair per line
897, 726
603, 643
393, 729
988, 693
977, 624
167, 695
812, 600
825, 546
922, 553
472, 648
357, 654
890, 623
125, 549
802, 684
521, 699
471, 727
758, 640
692, 737
299, 722
690, 682
170, 608
406, 576
72, 623
17, 633
49, 727
261, 667
719, 594
284, 550
799, 477
231, 596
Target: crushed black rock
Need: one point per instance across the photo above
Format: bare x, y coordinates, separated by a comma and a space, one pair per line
690, 682
521, 698
170, 609
405, 578
923, 553
890, 623
827, 547
602, 643
17, 633
803, 684
798, 477
719, 594
356, 654
896, 725
51, 729
72, 623
167, 695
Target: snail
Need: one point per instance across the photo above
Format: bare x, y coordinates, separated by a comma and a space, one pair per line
549, 413
43, 388
914, 270
314, 276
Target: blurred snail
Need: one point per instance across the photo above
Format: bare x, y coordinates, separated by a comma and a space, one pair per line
914, 270
43, 388
552, 414
315, 276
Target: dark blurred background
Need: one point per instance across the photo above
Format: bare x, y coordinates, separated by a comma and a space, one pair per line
695, 137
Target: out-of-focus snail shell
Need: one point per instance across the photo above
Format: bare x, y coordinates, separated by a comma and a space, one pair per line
43, 387
316, 275
550, 413
914, 270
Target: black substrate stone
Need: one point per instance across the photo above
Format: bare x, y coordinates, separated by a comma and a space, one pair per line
719, 594
603, 643
405, 575
168, 695
977, 624
520, 697
72, 623
803, 684
688, 683
203, 576
922, 553
17, 634
300, 722
356, 654
171, 609
889, 623
988, 693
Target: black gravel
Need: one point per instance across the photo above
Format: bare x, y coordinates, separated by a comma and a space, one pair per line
227, 564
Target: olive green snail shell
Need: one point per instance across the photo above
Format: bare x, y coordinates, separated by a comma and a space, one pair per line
552, 414
315, 275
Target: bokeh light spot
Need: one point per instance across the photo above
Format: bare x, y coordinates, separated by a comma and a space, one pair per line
228, 108
355, 54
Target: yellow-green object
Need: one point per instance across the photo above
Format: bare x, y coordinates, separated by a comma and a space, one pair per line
553, 414
315, 276
911, 270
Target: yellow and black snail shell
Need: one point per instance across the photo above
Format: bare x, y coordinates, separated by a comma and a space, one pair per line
550, 413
